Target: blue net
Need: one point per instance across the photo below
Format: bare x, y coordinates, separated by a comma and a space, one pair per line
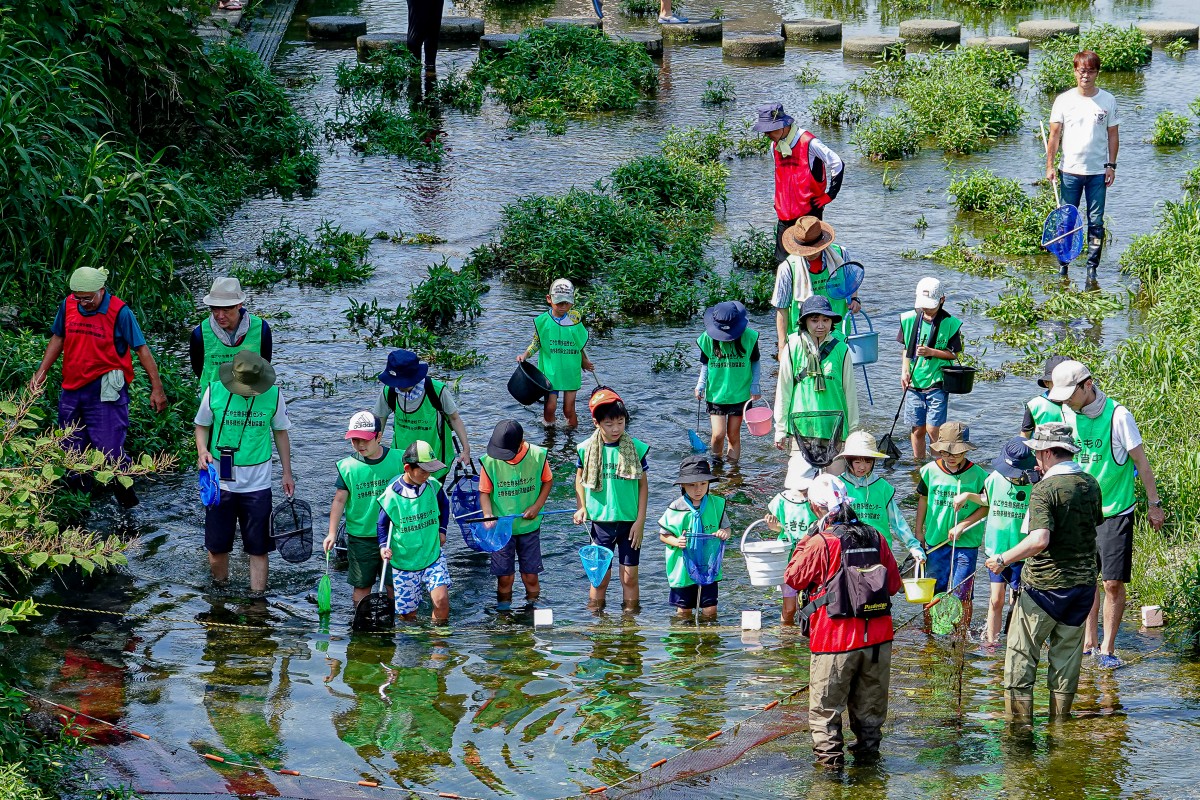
596, 561
1063, 233
703, 556
210, 486
845, 281
491, 536
464, 501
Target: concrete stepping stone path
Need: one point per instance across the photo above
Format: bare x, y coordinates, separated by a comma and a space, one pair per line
652, 42
461, 29
1014, 44
1038, 30
338, 29
939, 31
871, 46
1165, 31
701, 30
812, 29
738, 44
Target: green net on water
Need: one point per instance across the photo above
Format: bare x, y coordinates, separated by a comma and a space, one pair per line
946, 613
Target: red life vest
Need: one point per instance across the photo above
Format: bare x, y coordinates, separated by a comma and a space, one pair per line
797, 191
89, 347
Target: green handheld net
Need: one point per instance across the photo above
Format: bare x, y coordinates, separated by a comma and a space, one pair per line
945, 612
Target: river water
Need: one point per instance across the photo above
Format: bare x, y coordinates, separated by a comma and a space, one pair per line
493, 707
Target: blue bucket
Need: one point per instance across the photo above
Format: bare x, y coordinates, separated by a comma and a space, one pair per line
864, 345
702, 556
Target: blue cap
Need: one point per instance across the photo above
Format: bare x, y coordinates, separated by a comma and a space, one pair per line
771, 117
404, 370
1015, 459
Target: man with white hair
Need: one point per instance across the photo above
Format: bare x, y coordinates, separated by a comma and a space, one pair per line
847, 574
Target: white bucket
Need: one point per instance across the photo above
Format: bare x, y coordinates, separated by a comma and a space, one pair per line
766, 561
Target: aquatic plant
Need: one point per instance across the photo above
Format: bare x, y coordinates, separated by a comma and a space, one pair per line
676, 358
982, 190
836, 108
1182, 604
459, 90
1170, 129
398, 327
957, 254
1177, 48
1191, 181
445, 295
754, 249
665, 183
387, 72
886, 138
753, 290
639, 8
1119, 49
920, 223
375, 128
1016, 217
807, 74
1018, 306
719, 92
335, 256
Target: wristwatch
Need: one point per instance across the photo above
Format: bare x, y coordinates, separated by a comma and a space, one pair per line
1155, 504
999, 559
1110, 165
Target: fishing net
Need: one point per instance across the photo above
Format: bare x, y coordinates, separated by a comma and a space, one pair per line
844, 282
341, 542
325, 590
291, 529
464, 500
1063, 233
818, 435
210, 486
945, 612
375, 612
596, 562
490, 536
702, 556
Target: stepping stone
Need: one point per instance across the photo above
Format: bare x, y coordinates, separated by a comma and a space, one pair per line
1169, 30
340, 29
872, 46
653, 42
812, 29
497, 42
1037, 30
700, 30
371, 43
942, 31
752, 45
583, 22
1014, 44
461, 29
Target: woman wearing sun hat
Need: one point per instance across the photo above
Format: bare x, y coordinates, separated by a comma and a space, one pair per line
729, 373
873, 498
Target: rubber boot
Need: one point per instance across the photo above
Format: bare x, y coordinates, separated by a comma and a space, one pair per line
1060, 705
1063, 268
1018, 707
1095, 248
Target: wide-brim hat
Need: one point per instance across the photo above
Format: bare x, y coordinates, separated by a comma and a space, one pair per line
808, 237
818, 304
771, 117
225, 292
695, 469
404, 370
248, 375
1048, 373
1015, 460
726, 322
1053, 436
953, 437
860, 444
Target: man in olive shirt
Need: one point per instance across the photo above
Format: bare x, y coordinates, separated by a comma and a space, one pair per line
1059, 577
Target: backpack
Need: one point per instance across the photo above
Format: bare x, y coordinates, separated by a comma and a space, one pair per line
858, 589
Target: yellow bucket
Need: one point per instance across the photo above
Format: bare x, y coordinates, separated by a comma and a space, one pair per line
919, 589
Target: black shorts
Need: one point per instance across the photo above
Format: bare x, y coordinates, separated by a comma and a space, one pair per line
250, 511
1114, 548
686, 597
726, 409
615, 536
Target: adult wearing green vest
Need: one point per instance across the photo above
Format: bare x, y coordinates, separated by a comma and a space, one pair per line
240, 414
873, 498
1110, 450
515, 481
813, 259
816, 373
729, 373
1041, 409
360, 480
423, 407
229, 330
931, 339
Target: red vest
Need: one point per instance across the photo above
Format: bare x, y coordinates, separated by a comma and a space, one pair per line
89, 349
795, 187
813, 564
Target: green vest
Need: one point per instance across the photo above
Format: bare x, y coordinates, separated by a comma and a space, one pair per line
217, 352
729, 374
422, 424
1042, 410
1007, 504
1098, 458
515, 487
415, 539
679, 523
940, 515
560, 352
805, 396
871, 503
927, 372
617, 499
794, 518
243, 423
364, 482
832, 256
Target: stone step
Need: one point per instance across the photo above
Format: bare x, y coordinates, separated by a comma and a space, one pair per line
812, 29
940, 31
1014, 44
461, 29
338, 29
497, 42
1164, 30
1038, 30
699, 30
652, 42
872, 46
752, 45
370, 43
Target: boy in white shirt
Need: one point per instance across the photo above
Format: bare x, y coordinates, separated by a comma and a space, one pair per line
1084, 123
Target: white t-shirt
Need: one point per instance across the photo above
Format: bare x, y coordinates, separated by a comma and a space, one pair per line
1085, 122
1125, 436
246, 479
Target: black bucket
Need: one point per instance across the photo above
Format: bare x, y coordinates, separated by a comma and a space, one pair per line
528, 385
958, 379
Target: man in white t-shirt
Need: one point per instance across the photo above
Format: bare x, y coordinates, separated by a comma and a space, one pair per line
1084, 123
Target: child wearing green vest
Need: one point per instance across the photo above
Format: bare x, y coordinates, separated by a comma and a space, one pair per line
873, 498
816, 373
361, 478
1005, 495
939, 521
559, 337
1041, 409
411, 530
611, 491
694, 513
729, 373
790, 515
515, 480
228, 330
421, 409
931, 340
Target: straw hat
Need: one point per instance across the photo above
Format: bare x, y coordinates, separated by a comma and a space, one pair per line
860, 444
808, 237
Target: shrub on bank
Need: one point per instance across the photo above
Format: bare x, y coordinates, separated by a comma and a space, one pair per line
1120, 50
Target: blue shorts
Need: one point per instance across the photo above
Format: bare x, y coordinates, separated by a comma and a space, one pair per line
615, 536
408, 585
686, 597
526, 548
250, 511
924, 407
1010, 575
938, 568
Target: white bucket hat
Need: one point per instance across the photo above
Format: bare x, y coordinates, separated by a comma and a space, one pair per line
860, 444
225, 292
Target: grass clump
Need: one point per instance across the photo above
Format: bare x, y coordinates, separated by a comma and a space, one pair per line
808, 74
957, 254
1018, 307
836, 108
1177, 48
676, 358
377, 129
671, 183
391, 328
445, 295
719, 92
639, 8
334, 257
887, 138
754, 250
386, 73
1120, 50
1015, 216
1170, 129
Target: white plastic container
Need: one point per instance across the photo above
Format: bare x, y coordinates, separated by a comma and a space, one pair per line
1152, 616
766, 561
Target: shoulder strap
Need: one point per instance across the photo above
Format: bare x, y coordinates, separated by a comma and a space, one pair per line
434, 398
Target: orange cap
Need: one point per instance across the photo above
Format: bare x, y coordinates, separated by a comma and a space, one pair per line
601, 397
